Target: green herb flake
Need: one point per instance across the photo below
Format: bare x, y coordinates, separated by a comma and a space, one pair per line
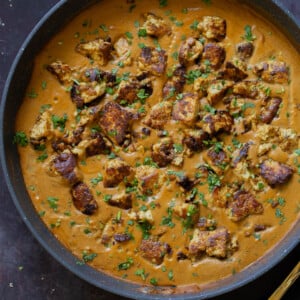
45, 107
104, 27
20, 139
44, 84
141, 273
178, 148
125, 265
153, 281
142, 32
32, 94
107, 197
94, 181
88, 257
129, 35
194, 25
42, 157
248, 34
42, 213
171, 275
53, 203
59, 122
163, 3
192, 75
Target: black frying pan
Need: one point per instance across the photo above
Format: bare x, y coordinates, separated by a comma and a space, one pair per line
13, 93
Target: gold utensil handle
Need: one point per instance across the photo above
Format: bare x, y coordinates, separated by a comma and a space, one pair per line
291, 278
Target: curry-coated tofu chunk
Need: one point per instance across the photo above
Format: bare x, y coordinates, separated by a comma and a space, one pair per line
128, 90
159, 115
247, 88
270, 110
244, 50
243, 205
116, 171
195, 139
189, 51
122, 200
115, 121
213, 243
42, 129
155, 25
149, 179
272, 72
214, 54
217, 159
235, 70
83, 93
154, 250
188, 212
221, 121
83, 198
217, 90
175, 84
213, 28
186, 109
153, 61
99, 50
275, 172
163, 152
62, 71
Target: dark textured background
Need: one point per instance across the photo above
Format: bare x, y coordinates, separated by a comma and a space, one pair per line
27, 271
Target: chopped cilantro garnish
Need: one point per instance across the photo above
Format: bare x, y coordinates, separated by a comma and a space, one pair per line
20, 138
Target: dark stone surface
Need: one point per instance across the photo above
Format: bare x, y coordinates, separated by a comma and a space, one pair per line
27, 271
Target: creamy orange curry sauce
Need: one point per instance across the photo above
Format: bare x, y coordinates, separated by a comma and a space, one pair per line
159, 140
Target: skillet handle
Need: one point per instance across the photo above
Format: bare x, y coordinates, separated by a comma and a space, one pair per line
286, 284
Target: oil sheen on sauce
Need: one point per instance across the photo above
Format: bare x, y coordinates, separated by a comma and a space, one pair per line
80, 233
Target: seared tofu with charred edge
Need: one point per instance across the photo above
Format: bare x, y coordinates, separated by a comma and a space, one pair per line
272, 72
83, 199
154, 250
187, 211
241, 154
115, 121
65, 165
83, 93
95, 74
41, 130
195, 139
221, 121
122, 200
153, 61
62, 71
235, 70
243, 205
155, 25
217, 159
217, 90
189, 51
163, 152
269, 111
98, 50
97, 145
275, 173
159, 115
215, 54
212, 28
206, 224
248, 89
186, 109
116, 170
214, 243
244, 50
175, 84
149, 178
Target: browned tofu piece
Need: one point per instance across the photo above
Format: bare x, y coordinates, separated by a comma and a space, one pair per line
97, 145
115, 122
83, 199
155, 25
214, 54
122, 48
213, 243
243, 205
95, 74
222, 194
241, 153
86, 92
163, 152
175, 84
206, 224
128, 91
98, 50
213, 28
186, 109
217, 90
63, 72
269, 111
187, 211
149, 179
41, 130
272, 72
217, 159
194, 139
189, 51
153, 250
159, 115
122, 237
219, 122
244, 50
235, 70
247, 89
153, 61
116, 170
122, 200
275, 172
65, 165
